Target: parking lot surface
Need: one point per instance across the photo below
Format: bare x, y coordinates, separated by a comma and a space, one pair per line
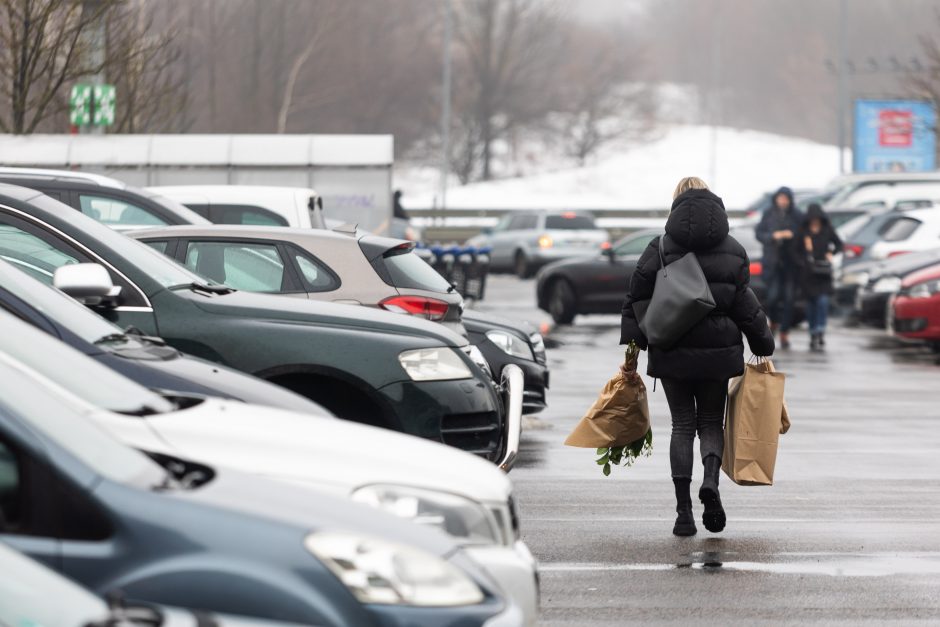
849, 534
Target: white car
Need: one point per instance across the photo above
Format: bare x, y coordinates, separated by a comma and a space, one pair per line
915, 231
257, 205
432, 484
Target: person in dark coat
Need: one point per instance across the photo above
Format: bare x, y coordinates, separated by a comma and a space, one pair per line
820, 242
778, 231
398, 210
696, 369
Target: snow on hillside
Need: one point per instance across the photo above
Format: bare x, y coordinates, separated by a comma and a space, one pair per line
749, 163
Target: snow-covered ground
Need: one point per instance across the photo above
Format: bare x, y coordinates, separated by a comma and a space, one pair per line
747, 164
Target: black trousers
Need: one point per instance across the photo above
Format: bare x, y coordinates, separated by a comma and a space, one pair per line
696, 406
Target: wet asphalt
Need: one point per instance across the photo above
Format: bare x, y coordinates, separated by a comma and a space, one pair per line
849, 534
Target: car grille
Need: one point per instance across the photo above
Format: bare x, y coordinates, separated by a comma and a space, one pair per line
910, 325
477, 433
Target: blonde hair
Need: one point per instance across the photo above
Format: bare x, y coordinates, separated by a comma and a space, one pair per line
689, 182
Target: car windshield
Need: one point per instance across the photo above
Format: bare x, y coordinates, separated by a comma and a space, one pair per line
57, 306
568, 221
158, 267
180, 210
82, 376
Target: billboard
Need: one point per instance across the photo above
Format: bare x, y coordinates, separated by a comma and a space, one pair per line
894, 136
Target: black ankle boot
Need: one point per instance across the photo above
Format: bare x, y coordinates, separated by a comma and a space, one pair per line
814, 343
714, 515
685, 521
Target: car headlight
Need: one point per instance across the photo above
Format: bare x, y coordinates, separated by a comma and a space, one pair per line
538, 347
466, 521
511, 344
477, 357
855, 278
434, 364
887, 284
387, 573
924, 290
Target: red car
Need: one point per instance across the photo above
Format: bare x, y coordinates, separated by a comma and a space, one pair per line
916, 313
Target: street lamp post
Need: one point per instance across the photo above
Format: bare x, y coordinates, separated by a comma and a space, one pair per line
445, 101
840, 68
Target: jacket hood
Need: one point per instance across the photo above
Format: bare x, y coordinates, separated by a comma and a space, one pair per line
697, 220
786, 191
815, 212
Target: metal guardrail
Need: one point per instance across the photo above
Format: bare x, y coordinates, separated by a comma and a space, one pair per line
458, 225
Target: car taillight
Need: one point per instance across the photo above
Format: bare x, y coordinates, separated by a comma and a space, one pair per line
853, 250
429, 308
898, 252
757, 268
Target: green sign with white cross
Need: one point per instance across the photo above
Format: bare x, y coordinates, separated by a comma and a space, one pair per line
80, 105
104, 105
91, 104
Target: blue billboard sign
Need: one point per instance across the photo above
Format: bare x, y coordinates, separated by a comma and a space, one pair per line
894, 136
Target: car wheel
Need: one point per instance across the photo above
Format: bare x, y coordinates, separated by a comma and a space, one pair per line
562, 303
523, 271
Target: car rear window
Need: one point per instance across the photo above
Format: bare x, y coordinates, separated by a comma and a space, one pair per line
569, 221
405, 269
900, 230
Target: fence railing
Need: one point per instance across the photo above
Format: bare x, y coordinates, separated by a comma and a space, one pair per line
458, 225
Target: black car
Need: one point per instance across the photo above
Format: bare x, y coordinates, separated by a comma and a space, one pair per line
147, 360
503, 342
591, 285
107, 200
884, 281
375, 367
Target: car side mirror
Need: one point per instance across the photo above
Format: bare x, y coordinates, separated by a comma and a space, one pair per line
88, 283
609, 252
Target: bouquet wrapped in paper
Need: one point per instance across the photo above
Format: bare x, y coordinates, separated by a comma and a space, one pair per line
618, 423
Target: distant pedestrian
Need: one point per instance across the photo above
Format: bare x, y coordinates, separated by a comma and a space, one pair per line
696, 369
397, 210
821, 242
778, 231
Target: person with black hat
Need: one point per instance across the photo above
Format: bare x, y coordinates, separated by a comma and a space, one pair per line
778, 231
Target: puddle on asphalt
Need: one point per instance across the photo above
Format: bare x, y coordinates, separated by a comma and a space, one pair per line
821, 564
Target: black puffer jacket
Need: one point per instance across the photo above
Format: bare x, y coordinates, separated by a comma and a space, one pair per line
712, 349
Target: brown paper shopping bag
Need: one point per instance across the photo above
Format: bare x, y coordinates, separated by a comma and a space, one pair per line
619, 416
753, 422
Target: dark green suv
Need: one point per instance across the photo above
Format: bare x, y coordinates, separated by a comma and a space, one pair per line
375, 367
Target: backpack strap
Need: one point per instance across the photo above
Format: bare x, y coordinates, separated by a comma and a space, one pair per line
662, 256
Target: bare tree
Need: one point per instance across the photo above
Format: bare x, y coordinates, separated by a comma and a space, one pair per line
604, 98
145, 65
508, 50
41, 53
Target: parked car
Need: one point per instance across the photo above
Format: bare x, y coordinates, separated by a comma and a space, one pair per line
594, 284
393, 371
355, 268
27, 588
912, 232
449, 490
336, 266
524, 241
102, 198
147, 360
915, 313
505, 343
256, 205
879, 189
177, 532
863, 233
884, 280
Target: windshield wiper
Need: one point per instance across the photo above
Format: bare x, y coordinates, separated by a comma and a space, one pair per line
205, 288
112, 338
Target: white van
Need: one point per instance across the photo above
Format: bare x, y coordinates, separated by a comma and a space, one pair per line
881, 190
250, 204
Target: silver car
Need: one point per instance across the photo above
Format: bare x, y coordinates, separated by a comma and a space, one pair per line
524, 241
338, 266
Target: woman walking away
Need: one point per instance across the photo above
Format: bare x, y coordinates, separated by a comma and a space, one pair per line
821, 242
696, 369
